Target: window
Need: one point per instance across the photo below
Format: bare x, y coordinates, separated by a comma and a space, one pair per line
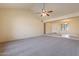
65, 27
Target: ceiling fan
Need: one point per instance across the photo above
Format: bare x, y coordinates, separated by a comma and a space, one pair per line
45, 12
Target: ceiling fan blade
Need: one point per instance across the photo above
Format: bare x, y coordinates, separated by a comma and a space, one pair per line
50, 11
48, 15
41, 15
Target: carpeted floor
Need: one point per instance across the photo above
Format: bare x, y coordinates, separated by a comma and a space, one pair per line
41, 46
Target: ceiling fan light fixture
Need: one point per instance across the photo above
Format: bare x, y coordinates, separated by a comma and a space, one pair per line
44, 14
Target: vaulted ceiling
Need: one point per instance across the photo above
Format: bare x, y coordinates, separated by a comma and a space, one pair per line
60, 9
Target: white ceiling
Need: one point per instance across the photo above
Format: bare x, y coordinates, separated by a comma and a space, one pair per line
60, 9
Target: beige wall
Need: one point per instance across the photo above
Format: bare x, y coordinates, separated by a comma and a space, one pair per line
73, 26
18, 23
56, 26
48, 27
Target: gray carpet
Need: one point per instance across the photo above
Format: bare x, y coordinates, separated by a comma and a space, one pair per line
40, 46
